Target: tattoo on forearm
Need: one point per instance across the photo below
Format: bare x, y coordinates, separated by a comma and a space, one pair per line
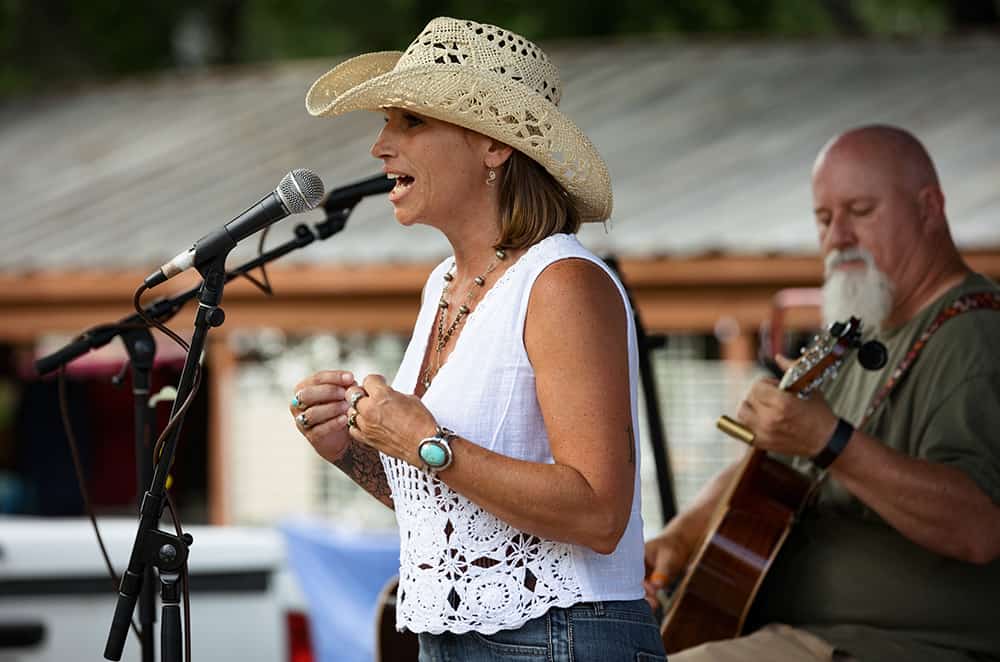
630, 435
363, 465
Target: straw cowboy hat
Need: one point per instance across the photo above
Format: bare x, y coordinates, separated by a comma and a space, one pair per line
483, 78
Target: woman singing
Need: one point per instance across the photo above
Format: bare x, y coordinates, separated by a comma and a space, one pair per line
506, 442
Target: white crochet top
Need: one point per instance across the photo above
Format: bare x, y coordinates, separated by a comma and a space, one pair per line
461, 568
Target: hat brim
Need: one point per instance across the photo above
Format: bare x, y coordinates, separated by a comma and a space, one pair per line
477, 100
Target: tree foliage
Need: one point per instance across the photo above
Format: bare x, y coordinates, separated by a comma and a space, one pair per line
59, 41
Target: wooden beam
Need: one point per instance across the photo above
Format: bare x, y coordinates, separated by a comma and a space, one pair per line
673, 294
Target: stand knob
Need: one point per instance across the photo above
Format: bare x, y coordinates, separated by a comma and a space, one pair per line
168, 553
216, 317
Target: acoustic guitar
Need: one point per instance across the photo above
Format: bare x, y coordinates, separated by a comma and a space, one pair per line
754, 517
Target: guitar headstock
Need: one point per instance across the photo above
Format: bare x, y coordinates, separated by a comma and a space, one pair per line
822, 358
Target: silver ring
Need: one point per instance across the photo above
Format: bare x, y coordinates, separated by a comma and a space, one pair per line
302, 420
352, 420
355, 396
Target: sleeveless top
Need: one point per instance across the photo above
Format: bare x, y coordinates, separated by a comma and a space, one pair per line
461, 568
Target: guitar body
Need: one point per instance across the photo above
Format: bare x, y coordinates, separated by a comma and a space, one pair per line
391, 645
754, 516
715, 595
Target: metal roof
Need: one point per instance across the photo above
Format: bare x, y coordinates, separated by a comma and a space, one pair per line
709, 147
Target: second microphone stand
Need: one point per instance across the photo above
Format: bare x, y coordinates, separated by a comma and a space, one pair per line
155, 548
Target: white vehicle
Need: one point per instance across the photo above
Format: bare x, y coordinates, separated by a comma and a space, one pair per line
57, 600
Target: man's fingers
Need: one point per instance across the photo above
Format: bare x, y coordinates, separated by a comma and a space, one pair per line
658, 579
783, 361
746, 414
764, 389
658, 561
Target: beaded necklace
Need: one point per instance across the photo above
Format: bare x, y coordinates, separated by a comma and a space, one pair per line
443, 335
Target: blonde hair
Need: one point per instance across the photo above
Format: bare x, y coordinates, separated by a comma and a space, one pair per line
533, 205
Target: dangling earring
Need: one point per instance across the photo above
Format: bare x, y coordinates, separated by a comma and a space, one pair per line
491, 177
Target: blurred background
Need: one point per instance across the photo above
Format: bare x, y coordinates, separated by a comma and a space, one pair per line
129, 130
63, 42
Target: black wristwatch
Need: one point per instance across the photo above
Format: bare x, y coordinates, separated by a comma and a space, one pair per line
835, 446
435, 452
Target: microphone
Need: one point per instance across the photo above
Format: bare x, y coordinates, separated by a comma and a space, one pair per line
350, 195
299, 191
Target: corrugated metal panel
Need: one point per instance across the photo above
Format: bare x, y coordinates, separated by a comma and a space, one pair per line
709, 146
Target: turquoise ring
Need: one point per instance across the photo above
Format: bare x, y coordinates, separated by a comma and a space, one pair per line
296, 400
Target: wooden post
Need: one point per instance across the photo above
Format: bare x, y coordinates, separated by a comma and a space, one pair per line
736, 342
221, 374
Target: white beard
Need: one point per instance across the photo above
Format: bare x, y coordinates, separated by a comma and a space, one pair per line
864, 293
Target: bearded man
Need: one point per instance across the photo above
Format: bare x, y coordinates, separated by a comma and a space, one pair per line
898, 556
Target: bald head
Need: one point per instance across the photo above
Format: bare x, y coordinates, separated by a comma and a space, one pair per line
892, 151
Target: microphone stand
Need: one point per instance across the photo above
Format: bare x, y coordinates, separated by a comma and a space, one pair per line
154, 548
141, 348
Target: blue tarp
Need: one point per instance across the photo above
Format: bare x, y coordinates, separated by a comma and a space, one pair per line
341, 574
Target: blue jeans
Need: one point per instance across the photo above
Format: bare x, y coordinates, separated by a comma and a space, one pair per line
620, 631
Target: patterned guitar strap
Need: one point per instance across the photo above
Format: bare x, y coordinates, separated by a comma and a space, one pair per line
967, 303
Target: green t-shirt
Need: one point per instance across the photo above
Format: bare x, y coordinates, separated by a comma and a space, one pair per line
846, 575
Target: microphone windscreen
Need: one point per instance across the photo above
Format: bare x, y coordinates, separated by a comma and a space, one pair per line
300, 190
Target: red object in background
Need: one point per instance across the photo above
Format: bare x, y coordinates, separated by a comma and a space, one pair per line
805, 298
112, 480
299, 642
105, 428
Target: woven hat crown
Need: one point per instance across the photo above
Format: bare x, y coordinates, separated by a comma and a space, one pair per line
486, 47
483, 78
